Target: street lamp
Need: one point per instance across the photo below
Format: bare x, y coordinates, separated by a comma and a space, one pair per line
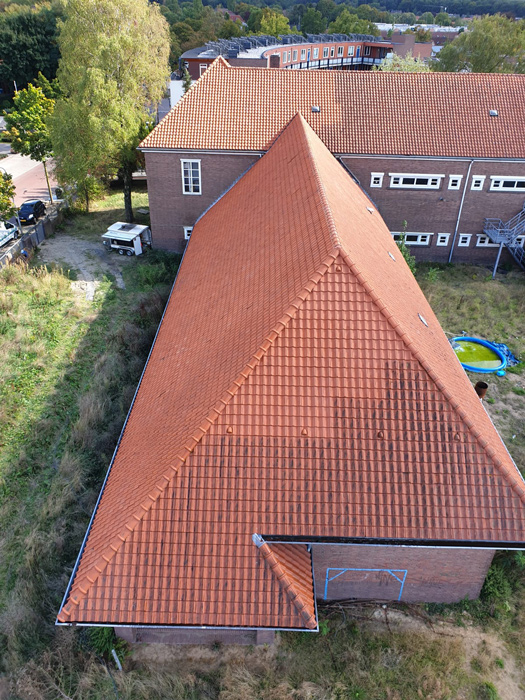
16, 208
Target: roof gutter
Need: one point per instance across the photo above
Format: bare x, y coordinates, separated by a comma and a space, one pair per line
460, 210
395, 542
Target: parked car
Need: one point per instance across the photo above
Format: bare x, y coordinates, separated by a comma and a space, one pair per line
31, 210
8, 232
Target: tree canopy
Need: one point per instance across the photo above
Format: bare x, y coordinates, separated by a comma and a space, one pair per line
273, 23
347, 23
495, 44
113, 71
400, 64
7, 193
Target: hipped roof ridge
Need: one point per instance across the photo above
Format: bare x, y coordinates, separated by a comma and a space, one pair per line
516, 483
287, 584
113, 547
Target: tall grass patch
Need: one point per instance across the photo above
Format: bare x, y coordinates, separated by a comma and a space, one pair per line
70, 370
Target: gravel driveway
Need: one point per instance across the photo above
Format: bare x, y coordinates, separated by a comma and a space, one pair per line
89, 259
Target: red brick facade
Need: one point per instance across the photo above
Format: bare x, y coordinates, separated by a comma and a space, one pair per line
409, 574
433, 211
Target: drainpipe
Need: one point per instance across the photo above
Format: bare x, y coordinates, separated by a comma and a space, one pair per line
459, 212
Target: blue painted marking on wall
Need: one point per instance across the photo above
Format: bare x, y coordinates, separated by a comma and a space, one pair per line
392, 573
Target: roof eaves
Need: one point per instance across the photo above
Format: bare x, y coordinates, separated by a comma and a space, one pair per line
515, 481
285, 582
128, 528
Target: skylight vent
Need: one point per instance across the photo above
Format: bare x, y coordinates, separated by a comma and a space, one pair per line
391, 256
316, 108
423, 320
493, 112
370, 210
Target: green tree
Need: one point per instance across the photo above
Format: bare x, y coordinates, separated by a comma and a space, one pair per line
186, 80
426, 18
27, 125
405, 251
254, 20
229, 30
114, 71
347, 23
7, 193
442, 19
406, 18
28, 44
422, 35
313, 22
328, 9
273, 23
400, 64
495, 44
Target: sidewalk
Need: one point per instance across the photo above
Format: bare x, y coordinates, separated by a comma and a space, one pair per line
17, 165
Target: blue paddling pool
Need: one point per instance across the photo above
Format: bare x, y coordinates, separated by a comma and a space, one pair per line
477, 355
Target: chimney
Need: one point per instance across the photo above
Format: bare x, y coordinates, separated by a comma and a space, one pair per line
275, 60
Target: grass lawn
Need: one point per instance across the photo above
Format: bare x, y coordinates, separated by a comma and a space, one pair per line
70, 368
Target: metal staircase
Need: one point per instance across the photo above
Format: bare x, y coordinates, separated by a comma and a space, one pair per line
507, 234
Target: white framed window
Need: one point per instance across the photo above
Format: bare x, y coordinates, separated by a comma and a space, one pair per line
202, 68
507, 184
295, 55
415, 181
376, 179
303, 54
187, 232
454, 182
442, 239
285, 54
464, 240
367, 50
325, 52
332, 52
485, 242
289, 56
340, 50
350, 50
316, 53
477, 182
413, 238
191, 176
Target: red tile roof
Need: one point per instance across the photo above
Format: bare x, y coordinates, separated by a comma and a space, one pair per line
364, 112
300, 386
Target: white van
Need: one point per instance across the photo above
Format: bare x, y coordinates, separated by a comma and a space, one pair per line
127, 239
8, 232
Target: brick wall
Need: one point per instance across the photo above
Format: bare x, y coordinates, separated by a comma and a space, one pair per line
425, 211
436, 211
170, 209
433, 575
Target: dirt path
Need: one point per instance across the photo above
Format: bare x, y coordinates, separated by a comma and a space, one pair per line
88, 259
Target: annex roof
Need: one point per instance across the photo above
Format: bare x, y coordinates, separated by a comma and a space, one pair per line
361, 112
299, 387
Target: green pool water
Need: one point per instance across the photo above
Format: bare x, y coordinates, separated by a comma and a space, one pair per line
476, 355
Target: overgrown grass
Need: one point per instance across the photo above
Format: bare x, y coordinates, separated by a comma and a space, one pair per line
69, 371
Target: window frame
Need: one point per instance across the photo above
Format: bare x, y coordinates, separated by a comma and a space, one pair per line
187, 232
303, 54
191, 161
351, 50
423, 238
202, 68
316, 53
376, 176
295, 55
485, 242
367, 50
461, 242
442, 240
403, 186
332, 51
478, 183
496, 182
451, 179
326, 51
340, 51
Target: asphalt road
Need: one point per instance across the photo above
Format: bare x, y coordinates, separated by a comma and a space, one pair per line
28, 177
